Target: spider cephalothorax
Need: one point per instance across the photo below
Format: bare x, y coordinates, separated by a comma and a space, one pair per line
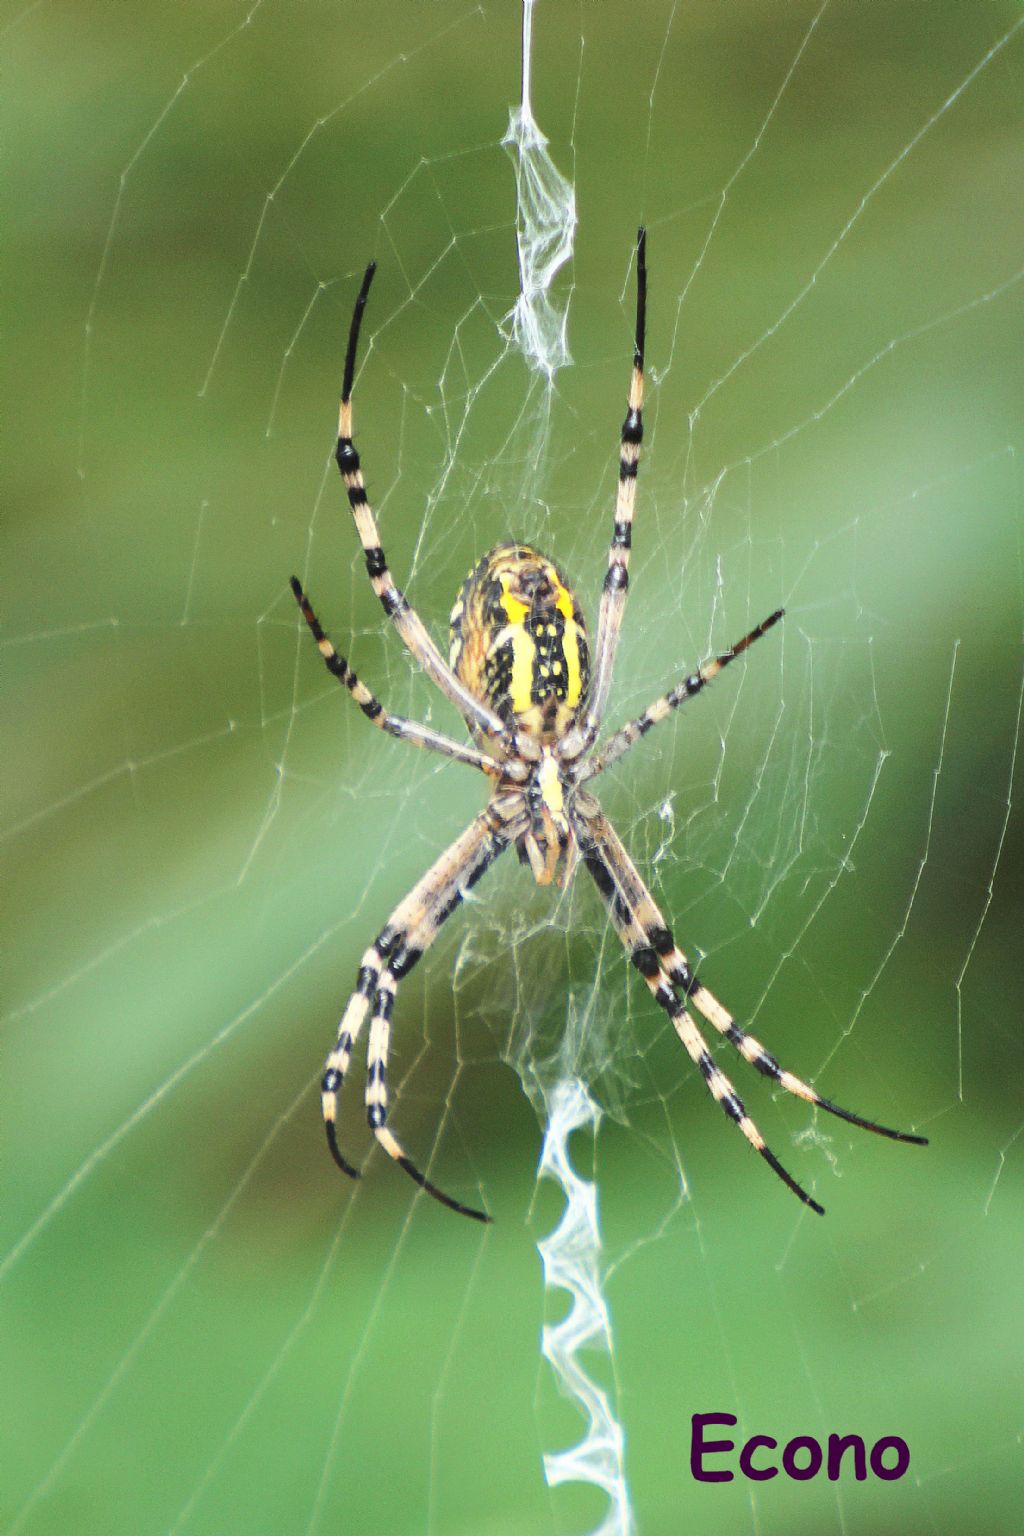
521, 674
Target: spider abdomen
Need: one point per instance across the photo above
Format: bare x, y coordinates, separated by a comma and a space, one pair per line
519, 641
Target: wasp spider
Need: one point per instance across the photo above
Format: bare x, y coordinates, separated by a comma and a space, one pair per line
521, 673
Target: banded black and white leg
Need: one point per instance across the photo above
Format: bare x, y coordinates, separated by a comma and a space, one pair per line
593, 850
611, 750
481, 720
411, 928
373, 709
751, 1049
616, 581
647, 935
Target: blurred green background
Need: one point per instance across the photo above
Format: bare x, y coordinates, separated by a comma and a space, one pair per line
204, 1328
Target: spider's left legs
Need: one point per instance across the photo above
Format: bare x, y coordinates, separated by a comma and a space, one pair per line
592, 834
616, 581
618, 744
658, 939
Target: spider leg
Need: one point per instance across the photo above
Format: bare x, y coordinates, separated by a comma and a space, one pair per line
675, 964
753, 1051
623, 739
412, 926
396, 605
591, 835
373, 709
616, 581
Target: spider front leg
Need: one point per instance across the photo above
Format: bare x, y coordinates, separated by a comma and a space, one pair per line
592, 835
653, 951
676, 965
410, 929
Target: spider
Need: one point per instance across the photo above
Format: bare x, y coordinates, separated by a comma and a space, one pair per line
521, 674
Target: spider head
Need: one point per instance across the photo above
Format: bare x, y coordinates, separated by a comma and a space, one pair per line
546, 842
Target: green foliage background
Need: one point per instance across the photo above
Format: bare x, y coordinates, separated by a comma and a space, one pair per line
202, 1331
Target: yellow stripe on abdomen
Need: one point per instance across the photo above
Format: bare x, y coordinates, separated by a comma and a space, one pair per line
524, 656
574, 670
519, 642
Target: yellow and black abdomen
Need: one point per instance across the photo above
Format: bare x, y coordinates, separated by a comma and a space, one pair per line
519, 642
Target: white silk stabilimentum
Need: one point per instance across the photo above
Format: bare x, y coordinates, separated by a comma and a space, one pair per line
571, 1260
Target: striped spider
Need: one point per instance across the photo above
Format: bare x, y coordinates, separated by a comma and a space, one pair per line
521, 675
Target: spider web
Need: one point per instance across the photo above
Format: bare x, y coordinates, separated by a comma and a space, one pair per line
208, 1330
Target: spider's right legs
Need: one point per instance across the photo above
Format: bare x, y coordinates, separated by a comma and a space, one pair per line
410, 929
406, 620
373, 709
